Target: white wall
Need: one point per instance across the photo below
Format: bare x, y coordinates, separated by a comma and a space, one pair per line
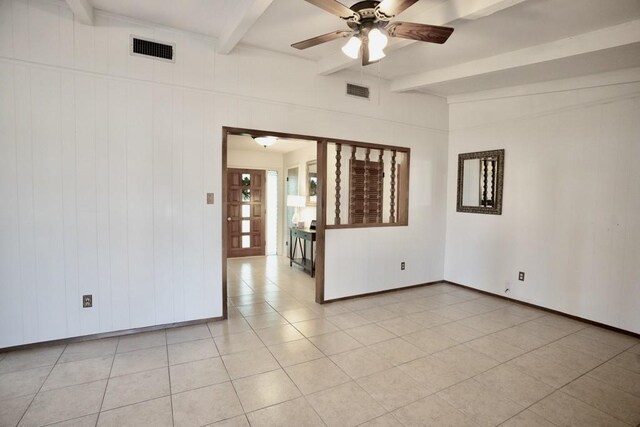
364, 260
105, 160
570, 218
299, 159
253, 159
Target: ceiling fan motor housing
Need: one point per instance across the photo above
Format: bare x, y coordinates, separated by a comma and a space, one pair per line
364, 17
369, 17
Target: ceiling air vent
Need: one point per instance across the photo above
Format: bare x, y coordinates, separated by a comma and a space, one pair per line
357, 91
143, 47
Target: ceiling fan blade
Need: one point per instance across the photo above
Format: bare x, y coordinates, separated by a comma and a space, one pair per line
321, 39
391, 8
420, 32
334, 7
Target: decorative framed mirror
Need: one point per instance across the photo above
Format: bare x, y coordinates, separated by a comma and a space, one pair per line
312, 182
480, 176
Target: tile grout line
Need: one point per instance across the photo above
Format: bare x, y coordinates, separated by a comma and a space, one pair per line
525, 319
472, 377
43, 383
298, 298
173, 420
285, 371
230, 380
559, 389
364, 346
113, 360
283, 368
68, 385
463, 343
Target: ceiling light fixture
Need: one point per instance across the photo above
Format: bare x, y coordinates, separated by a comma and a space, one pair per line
370, 22
376, 42
352, 48
266, 141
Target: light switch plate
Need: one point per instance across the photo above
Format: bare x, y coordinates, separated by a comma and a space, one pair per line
209, 198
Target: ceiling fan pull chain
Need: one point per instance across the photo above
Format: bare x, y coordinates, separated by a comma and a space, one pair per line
379, 81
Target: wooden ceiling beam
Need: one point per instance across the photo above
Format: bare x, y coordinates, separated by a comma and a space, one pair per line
245, 15
82, 10
605, 38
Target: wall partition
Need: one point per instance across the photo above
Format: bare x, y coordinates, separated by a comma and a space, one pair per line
367, 185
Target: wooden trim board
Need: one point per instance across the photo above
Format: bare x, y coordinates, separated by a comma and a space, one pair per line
385, 291
224, 223
120, 333
321, 219
549, 310
528, 304
320, 206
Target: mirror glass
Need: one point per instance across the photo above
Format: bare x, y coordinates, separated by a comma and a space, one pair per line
312, 183
480, 182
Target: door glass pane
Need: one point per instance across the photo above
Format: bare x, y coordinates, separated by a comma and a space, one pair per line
246, 241
292, 189
272, 213
246, 211
246, 226
246, 183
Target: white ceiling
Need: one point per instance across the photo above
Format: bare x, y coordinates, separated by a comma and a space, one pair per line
198, 16
276, 24
283, 146
527, 24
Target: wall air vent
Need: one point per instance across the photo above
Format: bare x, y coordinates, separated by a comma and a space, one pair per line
357, 91
153, 49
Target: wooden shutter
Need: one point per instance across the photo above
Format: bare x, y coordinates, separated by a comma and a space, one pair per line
365, 191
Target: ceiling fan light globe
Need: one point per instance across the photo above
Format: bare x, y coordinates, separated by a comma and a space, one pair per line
352, 48
377, 40
376, 55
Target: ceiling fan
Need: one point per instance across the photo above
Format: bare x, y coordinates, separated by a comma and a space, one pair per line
369, 21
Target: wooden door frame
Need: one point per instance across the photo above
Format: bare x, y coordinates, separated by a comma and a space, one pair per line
321, 154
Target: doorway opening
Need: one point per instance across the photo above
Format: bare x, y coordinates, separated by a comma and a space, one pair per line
265, 196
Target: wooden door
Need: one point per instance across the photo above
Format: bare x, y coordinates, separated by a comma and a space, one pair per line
246, 203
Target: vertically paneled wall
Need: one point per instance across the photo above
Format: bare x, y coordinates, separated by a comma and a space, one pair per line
105, 160
571, 201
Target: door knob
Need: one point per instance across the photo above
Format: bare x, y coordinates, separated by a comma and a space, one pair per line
228, 218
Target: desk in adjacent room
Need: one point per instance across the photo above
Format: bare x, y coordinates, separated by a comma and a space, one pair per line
298, 238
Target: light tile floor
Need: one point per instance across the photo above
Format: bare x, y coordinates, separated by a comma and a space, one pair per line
436, 355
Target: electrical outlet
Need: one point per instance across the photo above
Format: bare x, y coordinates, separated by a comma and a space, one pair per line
87, 301
402, 265
521, 276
